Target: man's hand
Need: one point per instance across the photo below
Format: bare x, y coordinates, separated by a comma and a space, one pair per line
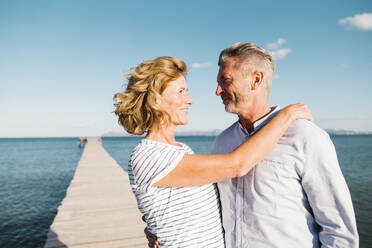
153, 240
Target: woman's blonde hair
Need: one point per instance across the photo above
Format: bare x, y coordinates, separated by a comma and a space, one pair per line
138, 106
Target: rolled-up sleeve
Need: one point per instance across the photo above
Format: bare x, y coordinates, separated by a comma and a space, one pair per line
328, 194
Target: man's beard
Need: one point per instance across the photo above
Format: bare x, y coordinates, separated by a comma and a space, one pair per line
231, 108
232, 104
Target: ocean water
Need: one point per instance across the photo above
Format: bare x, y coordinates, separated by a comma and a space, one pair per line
354, 153
34, 176
35, 173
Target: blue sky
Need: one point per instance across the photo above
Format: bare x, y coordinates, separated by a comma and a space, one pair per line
62, 61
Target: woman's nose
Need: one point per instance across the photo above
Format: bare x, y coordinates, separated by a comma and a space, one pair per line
189, 99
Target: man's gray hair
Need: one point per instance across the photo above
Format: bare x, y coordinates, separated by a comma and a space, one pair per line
251, 57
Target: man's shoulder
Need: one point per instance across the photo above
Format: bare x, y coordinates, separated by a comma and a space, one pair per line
226, 133
225, 140
306, 130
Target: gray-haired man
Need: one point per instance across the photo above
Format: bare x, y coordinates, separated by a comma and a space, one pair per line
297, 196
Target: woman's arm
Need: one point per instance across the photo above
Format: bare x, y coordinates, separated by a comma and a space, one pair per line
195, 170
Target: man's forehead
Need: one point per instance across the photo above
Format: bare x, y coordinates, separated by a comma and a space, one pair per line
226, 70
223, 73
229, 62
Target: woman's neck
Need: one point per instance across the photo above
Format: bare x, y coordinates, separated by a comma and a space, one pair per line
162, 134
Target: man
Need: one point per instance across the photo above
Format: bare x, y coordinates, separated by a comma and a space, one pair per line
297, 196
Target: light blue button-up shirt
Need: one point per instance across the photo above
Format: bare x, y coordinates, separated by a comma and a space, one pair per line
296, 197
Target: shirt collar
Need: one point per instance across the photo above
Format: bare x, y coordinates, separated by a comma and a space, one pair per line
261, 122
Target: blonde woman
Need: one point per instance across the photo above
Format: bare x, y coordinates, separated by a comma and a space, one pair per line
173, 187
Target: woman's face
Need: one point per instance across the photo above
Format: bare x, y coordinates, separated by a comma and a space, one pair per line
176, 101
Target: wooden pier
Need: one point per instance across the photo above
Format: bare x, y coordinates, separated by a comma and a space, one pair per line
99, 209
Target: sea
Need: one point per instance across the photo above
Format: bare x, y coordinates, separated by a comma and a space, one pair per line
36, 172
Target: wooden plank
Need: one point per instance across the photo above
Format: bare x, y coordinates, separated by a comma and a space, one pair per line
99, 209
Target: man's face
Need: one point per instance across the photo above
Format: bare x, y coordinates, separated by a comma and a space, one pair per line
233, 87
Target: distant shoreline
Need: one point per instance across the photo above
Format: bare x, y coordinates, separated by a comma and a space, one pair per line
186, 133
216, 132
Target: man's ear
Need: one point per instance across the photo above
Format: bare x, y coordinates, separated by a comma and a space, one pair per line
257, 80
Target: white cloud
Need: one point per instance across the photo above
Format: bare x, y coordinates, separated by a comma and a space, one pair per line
199, 65
359, 21
276, 44
276, 52
345, 66
281, 53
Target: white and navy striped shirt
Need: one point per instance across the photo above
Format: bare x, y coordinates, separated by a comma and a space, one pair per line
179, 217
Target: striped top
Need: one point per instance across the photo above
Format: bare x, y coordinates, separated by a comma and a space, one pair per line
179, 217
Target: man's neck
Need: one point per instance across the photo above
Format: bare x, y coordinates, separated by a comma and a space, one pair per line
248, 118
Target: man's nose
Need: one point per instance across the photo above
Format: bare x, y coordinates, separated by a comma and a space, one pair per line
219, 90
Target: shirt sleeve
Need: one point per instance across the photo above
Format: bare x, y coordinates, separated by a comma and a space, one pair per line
214, 148
328, 194
153, 164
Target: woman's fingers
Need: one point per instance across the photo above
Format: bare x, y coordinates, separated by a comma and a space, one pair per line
300, 111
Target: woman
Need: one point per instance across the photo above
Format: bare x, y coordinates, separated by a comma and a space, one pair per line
173, 187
